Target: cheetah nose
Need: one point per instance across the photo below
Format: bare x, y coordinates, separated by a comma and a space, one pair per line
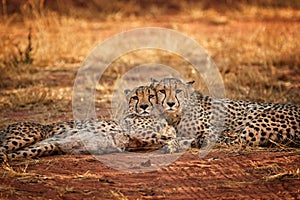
171, 104
144, 106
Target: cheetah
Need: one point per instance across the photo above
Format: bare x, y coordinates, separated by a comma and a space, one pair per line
144, 123
140, 128
204, 120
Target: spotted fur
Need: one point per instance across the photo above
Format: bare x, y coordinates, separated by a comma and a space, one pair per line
140, 128
204, 119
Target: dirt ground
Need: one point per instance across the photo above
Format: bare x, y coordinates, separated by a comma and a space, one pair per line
222, 174
43, 93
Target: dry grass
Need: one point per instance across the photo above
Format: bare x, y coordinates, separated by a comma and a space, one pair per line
273, 172
294, 174
254, 45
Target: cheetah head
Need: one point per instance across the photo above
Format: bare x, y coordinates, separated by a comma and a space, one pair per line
141, 100
171, 94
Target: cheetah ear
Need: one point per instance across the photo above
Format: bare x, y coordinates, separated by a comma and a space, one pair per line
153, 82
127, 91
190, 83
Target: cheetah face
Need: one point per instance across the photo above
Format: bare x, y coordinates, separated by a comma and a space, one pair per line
141, 100
171, 94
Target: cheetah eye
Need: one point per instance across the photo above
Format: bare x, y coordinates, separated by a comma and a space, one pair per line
135, 98
151, 96
178, 91
162, 91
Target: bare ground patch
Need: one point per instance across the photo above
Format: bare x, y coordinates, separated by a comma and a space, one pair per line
223, 174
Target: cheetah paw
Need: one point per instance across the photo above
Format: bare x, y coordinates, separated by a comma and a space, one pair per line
171, 147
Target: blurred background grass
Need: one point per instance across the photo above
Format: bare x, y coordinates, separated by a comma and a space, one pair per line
255, 44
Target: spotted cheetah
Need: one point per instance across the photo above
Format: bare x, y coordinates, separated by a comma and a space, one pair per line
145, 124
140, 128
204, 119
